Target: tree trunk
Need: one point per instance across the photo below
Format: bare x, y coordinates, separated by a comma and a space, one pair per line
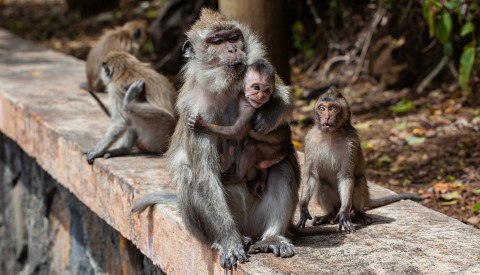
269, 19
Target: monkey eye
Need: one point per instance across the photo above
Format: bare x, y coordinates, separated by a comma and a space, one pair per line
256, 87
321, 108
233, 38
333, 108
267, 91
217, 41
106, 69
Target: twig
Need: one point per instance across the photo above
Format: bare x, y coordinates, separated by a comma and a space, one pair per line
376, 20
432, 74
329, 63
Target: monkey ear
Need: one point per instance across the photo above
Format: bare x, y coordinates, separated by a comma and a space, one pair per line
187, 50
137, 33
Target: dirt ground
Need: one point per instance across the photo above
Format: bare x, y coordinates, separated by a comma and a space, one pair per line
427, 144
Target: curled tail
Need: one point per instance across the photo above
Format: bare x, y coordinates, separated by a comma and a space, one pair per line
374, 203
151, 199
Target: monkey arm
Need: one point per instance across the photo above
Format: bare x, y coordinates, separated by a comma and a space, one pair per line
345, 190
308, 186
237, 131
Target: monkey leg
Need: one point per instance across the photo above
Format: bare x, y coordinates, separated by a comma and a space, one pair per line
271, 216
209, 222
126, 143
329, 200
360, 198
115, 130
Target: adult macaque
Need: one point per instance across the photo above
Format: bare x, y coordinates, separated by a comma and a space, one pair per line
271, 148
335, 165
129, 38
142, 107
219, 51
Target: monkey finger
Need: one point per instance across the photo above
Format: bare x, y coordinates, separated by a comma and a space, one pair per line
301, 224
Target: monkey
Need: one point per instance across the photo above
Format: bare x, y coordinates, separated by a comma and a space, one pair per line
259, 85
335, 166
142, 107
218, 51
129, 38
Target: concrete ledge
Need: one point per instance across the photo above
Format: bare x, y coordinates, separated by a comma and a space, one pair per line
52, 120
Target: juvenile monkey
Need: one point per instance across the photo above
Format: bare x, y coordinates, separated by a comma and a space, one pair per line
142, 107
259, 85
334, 164
129, 38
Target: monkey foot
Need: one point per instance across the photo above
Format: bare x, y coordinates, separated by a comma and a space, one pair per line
279, 246
247, 241
362, 218
230, 255
319, 220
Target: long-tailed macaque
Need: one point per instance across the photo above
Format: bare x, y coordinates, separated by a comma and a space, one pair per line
219, 51
334, 164
142, 107
129, 38
262, 154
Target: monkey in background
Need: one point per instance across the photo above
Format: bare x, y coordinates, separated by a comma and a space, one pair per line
334, 164
271, 148
129, 38
142, 107
218, 51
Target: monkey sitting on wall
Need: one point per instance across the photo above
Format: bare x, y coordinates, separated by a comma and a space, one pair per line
218, 51
142, 107
129, 38
260, 153
334, 164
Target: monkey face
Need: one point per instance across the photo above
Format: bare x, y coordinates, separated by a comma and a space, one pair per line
330, 116
226, 49
257, 88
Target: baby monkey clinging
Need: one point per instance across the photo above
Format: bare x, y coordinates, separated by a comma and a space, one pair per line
334, 164
261, 151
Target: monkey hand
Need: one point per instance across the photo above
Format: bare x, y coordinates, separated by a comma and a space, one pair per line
90, 155
134, 90
345, 222
195, 123
304, 216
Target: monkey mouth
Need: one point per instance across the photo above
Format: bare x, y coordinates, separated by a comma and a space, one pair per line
234, 65
328, 126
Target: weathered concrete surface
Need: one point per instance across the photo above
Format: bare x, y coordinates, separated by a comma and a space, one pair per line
44, 111
44, 229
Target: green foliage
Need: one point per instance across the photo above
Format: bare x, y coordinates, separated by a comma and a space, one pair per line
402, 106
438, 14
415, 140
476, 207
302, 41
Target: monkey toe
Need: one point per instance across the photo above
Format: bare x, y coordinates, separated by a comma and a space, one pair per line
278, 248
247, 241
348, 226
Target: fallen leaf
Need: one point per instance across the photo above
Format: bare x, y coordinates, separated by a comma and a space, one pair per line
402, 125
296, 143
451, 196
476, 191
446, 203
442, 187
385, 158
427, 195
415, 140
418, 131
474, 220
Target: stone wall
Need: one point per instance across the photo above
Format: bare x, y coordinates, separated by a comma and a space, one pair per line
45, 229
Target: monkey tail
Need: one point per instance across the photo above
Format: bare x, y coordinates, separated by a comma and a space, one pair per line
309, 231
374, 203
104, 108
151, 199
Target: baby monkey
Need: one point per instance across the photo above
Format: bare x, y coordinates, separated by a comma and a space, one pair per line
260, 152
334, 164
